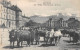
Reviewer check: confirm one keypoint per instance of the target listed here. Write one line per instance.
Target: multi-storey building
(7, 16)
(10, 15)
(57, 23)
(18, 16)
(25, 19)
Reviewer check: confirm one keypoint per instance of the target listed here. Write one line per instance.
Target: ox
(20, 36)
(73, 34)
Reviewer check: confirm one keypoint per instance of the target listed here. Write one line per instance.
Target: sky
(48, 7)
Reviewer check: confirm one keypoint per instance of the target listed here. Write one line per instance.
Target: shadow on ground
(67, 41)
(71, 44)
(46, 45)
(10, 47)
(76, 44)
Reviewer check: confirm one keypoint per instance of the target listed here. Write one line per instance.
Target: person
(37, 37)
(57, 35)
(51, 36)
(51, 33)
(47, 35)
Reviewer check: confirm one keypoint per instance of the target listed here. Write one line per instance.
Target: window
(4, 9)
(20, 13)
(12, 12)
(1, 7)
(9, 23)
(1, 22)
(1, 15)
(9, 17)
(13, 18)
(4, 16)
(8, 10)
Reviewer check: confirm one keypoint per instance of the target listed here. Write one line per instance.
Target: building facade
(18, 16)
(58, 23)
(10, 17)
(25, 19)
(7, 15)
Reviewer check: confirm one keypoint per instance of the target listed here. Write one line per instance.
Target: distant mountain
(42, 19)
(78, 18)
(56, 17)
(38, 19)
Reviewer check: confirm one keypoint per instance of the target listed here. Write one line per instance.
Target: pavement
(62, 45)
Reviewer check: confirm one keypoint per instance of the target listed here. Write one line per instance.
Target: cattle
(20, 36)
(26, 35)
(73, 34)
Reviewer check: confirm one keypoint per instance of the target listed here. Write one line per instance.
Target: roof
(25, 17)
(15, 8)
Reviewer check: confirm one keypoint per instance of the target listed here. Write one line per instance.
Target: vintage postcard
(39, 24)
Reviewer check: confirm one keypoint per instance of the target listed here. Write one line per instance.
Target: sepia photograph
(39, 24)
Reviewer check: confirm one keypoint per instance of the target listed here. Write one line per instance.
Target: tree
(30, 23)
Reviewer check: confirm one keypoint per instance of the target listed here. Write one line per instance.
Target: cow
(73, 34)
(20, 36)
(26, 35)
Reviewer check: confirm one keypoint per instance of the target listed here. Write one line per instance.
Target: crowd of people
(50, 35)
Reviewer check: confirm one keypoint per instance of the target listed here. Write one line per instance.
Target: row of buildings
(10, 15)
(71, 23)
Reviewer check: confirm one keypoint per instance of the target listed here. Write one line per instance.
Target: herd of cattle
(31, 35)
